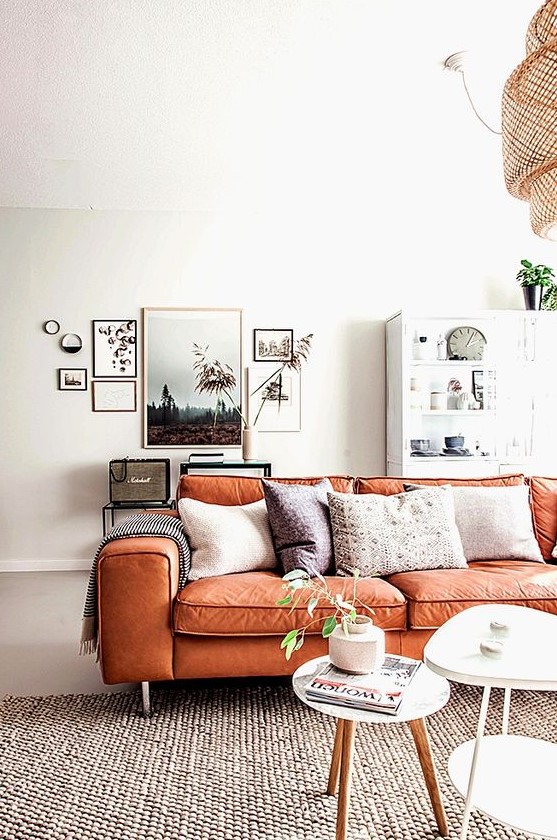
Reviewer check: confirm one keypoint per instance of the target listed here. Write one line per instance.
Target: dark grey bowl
(454, 441)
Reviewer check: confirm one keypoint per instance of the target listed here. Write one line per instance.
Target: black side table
(112, 507)
(219, 466)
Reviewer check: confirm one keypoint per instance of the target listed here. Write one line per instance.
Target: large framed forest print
(178, 412)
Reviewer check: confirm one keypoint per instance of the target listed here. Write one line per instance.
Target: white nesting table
(507, 777)
(426, 693)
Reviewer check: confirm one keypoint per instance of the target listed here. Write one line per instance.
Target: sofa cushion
(494, 523)
(245, 604)
(300, 525)
(242, 489)
(378, 534)
(435, 596)
(386, 485)
(227, 538)
(544, 511)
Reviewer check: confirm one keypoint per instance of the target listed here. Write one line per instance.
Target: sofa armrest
(137, 582)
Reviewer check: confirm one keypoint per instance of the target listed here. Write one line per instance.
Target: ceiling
(190, 105)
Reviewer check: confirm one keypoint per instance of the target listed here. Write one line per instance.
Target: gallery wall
(309, 162)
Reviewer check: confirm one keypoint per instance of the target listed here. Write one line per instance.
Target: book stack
(381, 691)
(208, 457)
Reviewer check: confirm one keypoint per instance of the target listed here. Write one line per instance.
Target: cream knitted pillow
(227, 538)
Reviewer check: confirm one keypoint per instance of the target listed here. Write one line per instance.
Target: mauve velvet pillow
(300, 525)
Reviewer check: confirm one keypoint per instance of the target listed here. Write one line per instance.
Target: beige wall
(309, 162)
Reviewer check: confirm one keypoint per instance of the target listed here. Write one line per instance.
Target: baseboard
(45, 565)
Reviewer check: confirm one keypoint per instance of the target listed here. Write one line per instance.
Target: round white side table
(426, 694)
(504, 776)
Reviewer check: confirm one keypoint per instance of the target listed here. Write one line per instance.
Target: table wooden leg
(423, 747)
(346, 760)
(334, 772)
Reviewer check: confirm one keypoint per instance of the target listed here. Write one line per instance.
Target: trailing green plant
(535, 275)
(299, 586)
(549, 299)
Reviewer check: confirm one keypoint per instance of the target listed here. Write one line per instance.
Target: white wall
(309, 161)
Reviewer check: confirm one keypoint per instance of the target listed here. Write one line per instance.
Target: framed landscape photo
(273, 345)
(72, 379)
(177, 412)
(115, 348)
(274, 400)
(110, 395)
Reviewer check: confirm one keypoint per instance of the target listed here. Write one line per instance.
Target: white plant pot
(249, 443)
(360, 650)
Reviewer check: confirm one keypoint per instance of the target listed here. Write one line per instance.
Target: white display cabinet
(498, 399)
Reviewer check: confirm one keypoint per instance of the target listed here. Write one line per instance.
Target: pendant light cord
(474, 108)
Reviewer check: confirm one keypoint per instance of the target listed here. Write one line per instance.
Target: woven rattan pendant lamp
(529, 124)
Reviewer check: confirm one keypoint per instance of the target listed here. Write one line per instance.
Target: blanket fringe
(88, 648)
(88, 644)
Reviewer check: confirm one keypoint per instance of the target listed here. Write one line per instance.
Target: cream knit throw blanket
(138, 525)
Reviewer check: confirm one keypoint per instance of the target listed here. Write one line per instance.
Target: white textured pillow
(227, 538)
(495, 523)
(400, 533)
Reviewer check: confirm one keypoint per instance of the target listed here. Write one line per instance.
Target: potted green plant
(534, 279)
(356, 644)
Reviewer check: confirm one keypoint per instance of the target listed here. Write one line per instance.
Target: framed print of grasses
(274, 401)
(177, 412)
(115, 348)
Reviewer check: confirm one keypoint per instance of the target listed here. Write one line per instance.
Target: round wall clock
(51, 327)
(466, 342)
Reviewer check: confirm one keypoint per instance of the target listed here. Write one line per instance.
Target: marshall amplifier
(139, 480)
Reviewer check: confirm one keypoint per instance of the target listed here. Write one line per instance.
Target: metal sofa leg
(145, 700)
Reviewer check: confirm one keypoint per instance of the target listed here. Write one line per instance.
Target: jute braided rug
(238, 761)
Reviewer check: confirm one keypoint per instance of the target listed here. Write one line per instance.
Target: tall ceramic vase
(249, 443)
(357, 647)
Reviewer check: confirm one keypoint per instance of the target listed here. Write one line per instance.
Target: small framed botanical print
(72, 379)
(109, 395)
(274, 399)
(273, 345)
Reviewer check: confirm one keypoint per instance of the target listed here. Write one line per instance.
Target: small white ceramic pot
(358, 649)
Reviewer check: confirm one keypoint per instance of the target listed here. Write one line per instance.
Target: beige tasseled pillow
(382, 535)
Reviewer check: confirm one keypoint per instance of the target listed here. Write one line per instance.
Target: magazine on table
(381, 691)
(213, 457)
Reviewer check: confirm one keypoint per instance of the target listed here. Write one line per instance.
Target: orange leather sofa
(230, 625)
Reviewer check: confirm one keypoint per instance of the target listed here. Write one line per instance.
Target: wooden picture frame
(176, 413)
(274, 406)
(115, 348)
(72, 379)
(478, 386)
(114, 395)
(273, 345)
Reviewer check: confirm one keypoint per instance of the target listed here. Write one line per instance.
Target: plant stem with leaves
(298, 584)
(214, 378)
(300, 354)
